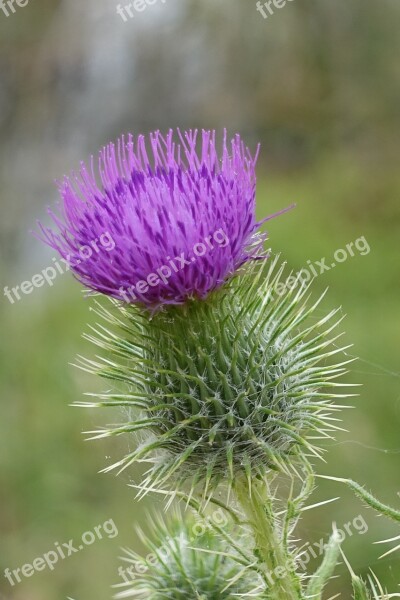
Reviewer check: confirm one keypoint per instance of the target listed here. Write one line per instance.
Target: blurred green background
(318, 83)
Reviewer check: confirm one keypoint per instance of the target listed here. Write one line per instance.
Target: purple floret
(179, 219)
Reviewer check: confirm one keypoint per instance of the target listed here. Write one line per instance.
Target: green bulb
(235, 385)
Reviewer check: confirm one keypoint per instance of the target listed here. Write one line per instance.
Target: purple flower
(181, 218)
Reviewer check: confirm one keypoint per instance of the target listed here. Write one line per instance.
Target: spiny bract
(187, 560)
(234, 384)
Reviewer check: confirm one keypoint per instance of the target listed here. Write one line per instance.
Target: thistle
(224, 386)
(186, 559)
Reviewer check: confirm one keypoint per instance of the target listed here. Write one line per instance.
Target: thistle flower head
(182, 217)
(187, 560)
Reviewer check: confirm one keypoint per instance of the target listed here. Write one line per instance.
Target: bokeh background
(318, 84)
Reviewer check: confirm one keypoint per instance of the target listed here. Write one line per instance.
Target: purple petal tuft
(163, 226)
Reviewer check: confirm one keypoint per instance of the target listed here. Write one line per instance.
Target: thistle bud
(187, 560)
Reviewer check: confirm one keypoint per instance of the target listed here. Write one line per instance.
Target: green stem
(276, 563)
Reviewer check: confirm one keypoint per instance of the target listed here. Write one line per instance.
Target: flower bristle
(240, 382)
